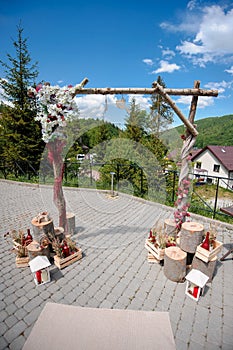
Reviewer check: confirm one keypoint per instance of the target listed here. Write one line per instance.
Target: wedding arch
(57, 105)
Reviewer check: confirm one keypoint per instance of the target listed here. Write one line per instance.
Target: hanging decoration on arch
(55, 107)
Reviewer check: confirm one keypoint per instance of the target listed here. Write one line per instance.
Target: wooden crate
(206, 255)
(63, 262)
(152, 259)
(22, 262)
(157, 252)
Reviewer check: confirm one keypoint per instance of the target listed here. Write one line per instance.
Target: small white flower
(48, 98)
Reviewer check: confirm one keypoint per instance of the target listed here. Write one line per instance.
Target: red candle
(195, 291)
(38, 276)
(206, 243)
(65, 249)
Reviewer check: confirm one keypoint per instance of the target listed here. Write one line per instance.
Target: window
(216, 168)
(198, 165)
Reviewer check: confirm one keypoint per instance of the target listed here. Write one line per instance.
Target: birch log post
(41, 229)
(191, 235)
(70, 223)
(55, 156)
(184, 184)
(208, 268)
(34, 249)
(143, 91)
(170, 228)
(175, 264)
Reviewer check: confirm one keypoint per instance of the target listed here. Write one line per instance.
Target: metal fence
(212, 206)
(128, 178)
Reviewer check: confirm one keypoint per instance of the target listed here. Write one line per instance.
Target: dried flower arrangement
(20, 242)
(159, 238)
(62, 248)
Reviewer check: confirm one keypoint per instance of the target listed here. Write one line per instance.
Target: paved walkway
(114, 272)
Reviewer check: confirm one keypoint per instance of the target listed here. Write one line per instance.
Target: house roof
(224, 154)
(176, 153)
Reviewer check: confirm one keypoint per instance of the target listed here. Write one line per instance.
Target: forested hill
(213, 131)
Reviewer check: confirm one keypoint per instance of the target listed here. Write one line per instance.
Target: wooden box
(152, 259)
(208, 255)
(157, 252)
(22, 262)
(63, 262)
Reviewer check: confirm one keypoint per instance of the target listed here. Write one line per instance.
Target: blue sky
(127, 44)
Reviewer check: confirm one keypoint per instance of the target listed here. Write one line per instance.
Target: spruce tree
(161, 115)
(135, 122)
(21, 144)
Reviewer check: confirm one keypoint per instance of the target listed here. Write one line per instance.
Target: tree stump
(70, 217)
(175, 264)
(59, 233)
(207, 268)
(41, 229)
(170, 228)
(34, 249)
(191, 235)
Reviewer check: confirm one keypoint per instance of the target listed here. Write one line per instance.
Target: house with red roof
(216, 161)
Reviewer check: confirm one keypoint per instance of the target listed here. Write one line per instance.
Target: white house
(216, 161)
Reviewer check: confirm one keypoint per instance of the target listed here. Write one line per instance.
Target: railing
(171, 177)
(129, 178)
(18, 169)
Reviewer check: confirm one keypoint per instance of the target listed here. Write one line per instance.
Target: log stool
(207, 268)
(191, 235)
(41, 229)
(34, 250)
(170, 228)
(59, 233)
(175, 264)
(70, 217)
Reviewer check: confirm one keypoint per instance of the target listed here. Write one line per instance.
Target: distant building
(215, 161)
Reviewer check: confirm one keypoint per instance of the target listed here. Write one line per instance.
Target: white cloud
(166, 67)
(230, 71)
(190, 25)
(191, 4)
(94, 106)
(148, 61)
(168, 53)
(213, 38)
(143, 101)
(220, 86)
(3, 97)
(203, 102)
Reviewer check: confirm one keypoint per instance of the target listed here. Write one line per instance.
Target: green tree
(20, 133)
(136, 121)
(161, 115)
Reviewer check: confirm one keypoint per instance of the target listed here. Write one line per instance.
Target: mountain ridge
(212, 131)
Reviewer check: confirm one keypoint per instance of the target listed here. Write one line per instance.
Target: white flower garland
(56, 105)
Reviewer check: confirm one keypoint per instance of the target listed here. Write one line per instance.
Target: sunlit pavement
(113, 273)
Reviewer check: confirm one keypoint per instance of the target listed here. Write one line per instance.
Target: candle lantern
(40, 269)
(196, 281)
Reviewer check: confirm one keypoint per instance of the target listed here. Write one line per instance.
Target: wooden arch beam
(80, 90)
(156, 89)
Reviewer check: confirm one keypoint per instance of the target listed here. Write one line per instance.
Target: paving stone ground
(113, 273)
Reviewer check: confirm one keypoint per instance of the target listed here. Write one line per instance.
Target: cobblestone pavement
(113, 273)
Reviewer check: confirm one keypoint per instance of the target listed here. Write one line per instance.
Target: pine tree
(21, 145)
(161, 115)
(135, 122)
